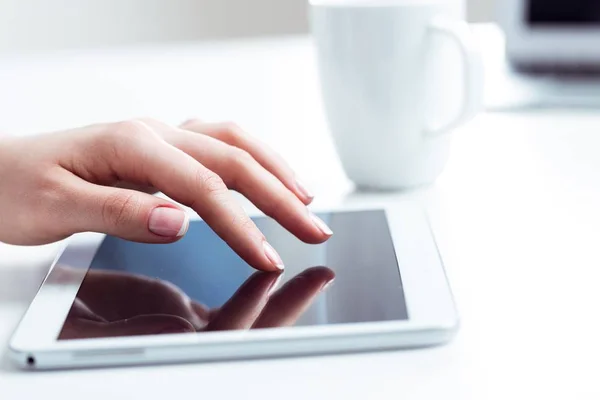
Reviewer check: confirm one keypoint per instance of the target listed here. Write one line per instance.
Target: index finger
(140, 155)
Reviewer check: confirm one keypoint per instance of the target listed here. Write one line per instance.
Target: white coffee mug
(397, 77)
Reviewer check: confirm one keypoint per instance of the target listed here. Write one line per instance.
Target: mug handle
(460, 34)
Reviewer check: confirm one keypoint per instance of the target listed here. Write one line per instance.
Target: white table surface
(516, 213)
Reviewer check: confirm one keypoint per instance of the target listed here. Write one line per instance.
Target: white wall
(39, 24)
(27, 25)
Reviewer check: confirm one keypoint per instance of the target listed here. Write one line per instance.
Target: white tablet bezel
(428, 299)
(526, 43)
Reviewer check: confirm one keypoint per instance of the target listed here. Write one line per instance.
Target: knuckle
(210, 182)
(121, 209)
(232, 133)
(240, 163)
(120, 138)
(191, 123)
(117, 135)
(231, 126)
(240, 159)
(128, 127)
(135, 130)
(147, 120)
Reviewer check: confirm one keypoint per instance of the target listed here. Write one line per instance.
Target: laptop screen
(563, 12)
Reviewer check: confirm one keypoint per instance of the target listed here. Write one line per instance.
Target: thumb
(128, 214)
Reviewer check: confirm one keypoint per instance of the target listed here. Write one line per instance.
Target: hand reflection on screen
(111, 304)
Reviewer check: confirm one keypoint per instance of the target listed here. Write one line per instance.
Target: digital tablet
(377, 284)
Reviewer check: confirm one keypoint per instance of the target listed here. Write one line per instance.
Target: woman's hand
(97, 178)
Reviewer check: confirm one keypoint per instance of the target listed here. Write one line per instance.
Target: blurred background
(40, 25)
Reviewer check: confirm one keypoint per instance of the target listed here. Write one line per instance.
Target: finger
(78, 328)
(289, 303)
(142, 156)
(246, 304)
(269, 159)
(128, 214)
(244, 174)
(241, 172)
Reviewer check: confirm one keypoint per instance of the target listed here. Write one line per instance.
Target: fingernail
(321, 225)
(325, 286)
(168, 222)
(273, 256)
(304, 190)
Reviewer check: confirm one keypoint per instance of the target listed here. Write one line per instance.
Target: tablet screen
(564, 12)
(199, 284)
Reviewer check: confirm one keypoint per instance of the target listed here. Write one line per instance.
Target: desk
(516, 214)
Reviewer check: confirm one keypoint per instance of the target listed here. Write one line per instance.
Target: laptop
(552, 55)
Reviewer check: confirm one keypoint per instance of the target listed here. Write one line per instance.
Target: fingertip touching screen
(199, 284)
